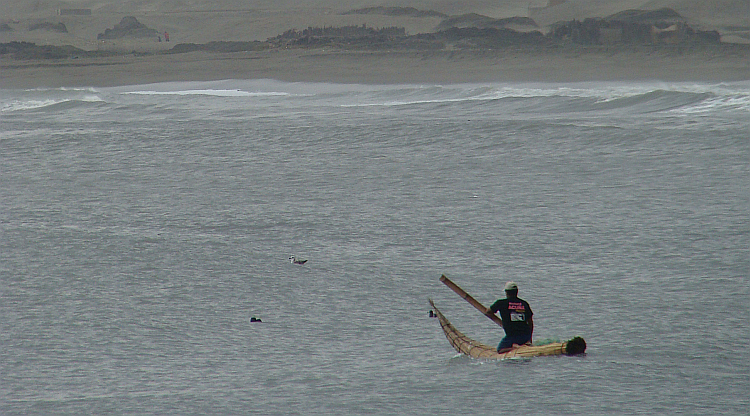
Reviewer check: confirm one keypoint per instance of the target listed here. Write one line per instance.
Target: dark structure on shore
(663, 26)
(51, 27)
(338, 35)
(129, 27)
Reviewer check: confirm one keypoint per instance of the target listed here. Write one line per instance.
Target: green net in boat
(546, 341)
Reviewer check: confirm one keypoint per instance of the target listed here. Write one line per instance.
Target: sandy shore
(200, 21)
(395, 67)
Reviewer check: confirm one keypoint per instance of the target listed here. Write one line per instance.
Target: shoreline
(382, 67)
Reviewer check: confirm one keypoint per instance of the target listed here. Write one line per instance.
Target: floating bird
(295, 260)
(254, 319)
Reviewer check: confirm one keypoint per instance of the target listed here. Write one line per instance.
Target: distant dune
(228, 39)
(202, 21)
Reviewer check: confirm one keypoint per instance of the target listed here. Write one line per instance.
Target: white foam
(736, 103)
(19, 105)
(211, 92)
(85, 89)
(33, 104)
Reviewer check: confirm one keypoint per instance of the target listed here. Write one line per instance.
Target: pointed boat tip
(432, 313)
(575, 346)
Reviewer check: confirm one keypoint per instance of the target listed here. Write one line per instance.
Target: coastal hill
(371, 41)
(657, 29)
(204, 21)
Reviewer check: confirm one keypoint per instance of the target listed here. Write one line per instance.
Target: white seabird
(295, 260)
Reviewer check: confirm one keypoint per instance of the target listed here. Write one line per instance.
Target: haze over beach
(165, 163)
(132, 58)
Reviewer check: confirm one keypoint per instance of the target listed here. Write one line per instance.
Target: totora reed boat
(468, 346)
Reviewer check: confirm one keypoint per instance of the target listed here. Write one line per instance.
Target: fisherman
(516, 316)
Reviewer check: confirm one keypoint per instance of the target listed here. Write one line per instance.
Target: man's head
(511, 289)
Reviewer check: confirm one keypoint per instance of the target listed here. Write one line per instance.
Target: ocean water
(142, 227)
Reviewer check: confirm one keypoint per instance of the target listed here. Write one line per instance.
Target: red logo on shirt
(518, 306)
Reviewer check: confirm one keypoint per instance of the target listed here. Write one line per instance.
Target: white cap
(511, 286)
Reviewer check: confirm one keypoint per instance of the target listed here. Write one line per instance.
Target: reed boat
(474, 349)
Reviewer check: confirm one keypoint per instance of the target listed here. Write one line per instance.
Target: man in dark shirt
(516, 316)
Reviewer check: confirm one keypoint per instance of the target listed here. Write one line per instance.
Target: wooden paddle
(471, 300)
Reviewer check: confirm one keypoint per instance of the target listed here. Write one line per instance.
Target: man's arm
(531, 326)
(489, 312)
(492, 310)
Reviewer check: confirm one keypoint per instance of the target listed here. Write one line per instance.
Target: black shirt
(515, 313)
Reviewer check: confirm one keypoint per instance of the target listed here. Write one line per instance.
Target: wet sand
(393, 67)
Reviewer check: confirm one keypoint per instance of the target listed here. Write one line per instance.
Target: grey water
(142, 227)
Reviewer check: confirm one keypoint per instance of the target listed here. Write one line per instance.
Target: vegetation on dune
(656, 29)
(664, 26)
(484, 22)
(220, 46)
(646, 16)
(346, 36)
(129, 27)
(52, 27)
(28, 50)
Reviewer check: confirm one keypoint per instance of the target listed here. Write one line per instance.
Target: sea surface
(142, 227)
